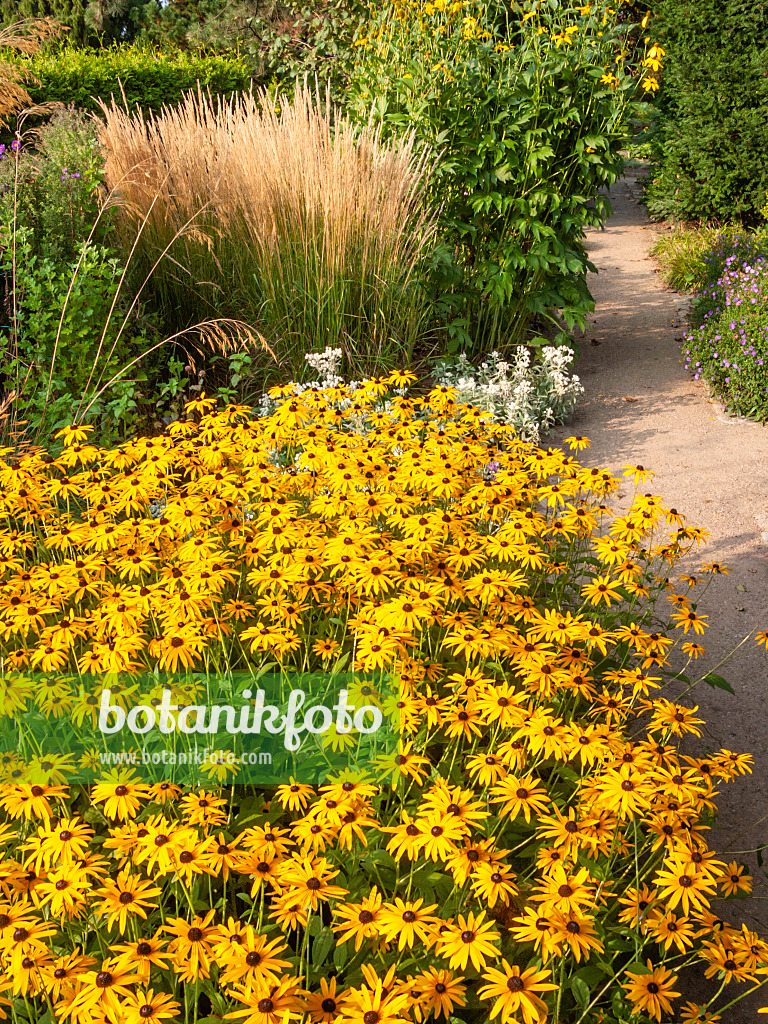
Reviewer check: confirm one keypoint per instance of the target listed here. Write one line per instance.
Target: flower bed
(533, 849)
(728, 344)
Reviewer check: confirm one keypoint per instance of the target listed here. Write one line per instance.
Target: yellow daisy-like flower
(470, 938)
(653, 992)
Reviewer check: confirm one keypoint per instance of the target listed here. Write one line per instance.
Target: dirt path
(640, 407)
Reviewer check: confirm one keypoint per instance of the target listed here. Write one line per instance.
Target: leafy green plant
(708, 153)
(528, 116)
(56, 349)
(54, 186)
(68, 14)
(283, 40)
(727, 345)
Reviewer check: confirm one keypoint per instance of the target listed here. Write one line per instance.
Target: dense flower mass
(728, 343)
(534, 849)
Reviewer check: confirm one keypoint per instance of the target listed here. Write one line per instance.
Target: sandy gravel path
(640, 407)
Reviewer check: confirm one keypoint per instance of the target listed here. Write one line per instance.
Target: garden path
(641, 407)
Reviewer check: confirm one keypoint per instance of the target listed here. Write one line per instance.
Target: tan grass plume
(316, 222)
(25, 37)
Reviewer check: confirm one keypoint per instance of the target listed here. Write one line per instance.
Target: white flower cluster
(326, 366)
(531, 396)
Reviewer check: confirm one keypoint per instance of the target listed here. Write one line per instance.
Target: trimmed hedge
(709, 152)
(149, 77)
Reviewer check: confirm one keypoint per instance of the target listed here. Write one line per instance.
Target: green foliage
(146, 76)
(710, 149)
(70, 13)
(54, 189)
(284, 40)
(528, 129)
(684, 257)
(728, 343)
(116, 20)
(53, 356)
(89, 22)
(61, 339)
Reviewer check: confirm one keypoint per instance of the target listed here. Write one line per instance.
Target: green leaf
(636, 967)
(580, 991)
(717, 682)
(321, 946)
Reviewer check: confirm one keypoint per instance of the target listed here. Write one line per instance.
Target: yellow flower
(651, 993)
(470, 938)
(517, 992)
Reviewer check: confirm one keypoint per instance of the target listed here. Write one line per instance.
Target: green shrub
(528, 116)
(68, 13)
(56, 351)
(54, 188)
(727, 345)
(61, 278)
(284, 40)
(710, 149)
(148, 78)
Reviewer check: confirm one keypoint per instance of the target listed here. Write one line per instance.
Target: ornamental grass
(25, 36)
(534, 849)
(281, 212)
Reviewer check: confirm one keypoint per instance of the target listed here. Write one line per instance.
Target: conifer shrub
(713, 133)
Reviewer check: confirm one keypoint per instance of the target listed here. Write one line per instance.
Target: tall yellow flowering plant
(527, 106)
(533, 848)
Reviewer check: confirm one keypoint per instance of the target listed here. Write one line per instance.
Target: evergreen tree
(713, 133)
(117, 20)
(90, 22)
(70, 13)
